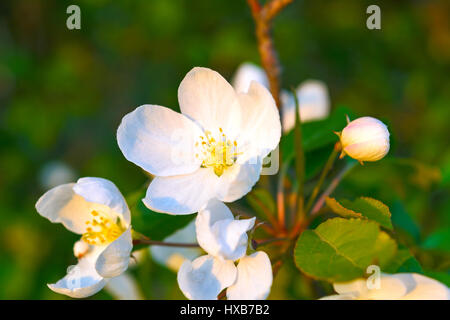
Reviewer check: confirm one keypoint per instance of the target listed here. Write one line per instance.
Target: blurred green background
(63, 93)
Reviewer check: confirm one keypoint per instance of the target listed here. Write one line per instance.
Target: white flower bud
(80, 248)
(365, 139)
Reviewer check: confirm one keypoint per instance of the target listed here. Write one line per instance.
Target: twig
(165, 244)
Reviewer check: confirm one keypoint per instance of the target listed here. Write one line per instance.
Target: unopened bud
(365, 139)
(80, 248)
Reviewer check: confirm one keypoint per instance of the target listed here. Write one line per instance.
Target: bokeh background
(63, 93)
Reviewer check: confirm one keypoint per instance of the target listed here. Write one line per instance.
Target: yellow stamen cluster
(101, 229)
(218, 155)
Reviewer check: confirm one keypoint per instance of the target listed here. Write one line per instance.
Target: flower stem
(326, 169)
(334, 183)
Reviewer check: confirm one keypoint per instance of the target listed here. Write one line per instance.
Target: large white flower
(400, 286)
(95, 209)
(212, 150)
(225, 241)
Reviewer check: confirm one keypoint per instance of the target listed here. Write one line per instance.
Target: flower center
(101, 229)
(217, 154)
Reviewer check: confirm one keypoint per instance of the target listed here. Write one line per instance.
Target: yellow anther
(218, 155)
(103, 231)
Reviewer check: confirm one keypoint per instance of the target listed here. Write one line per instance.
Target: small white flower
(173, 257)
(95, 209)
(212, 150)
(365, 139)
(400, 286)
(225, 240)
(313, 102)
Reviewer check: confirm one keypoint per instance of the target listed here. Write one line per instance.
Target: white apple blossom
(400, 286)
(212, 150)
(95, 209)
(365, 139)
(225, 241)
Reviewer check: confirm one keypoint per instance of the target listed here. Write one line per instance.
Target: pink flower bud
(365, 139)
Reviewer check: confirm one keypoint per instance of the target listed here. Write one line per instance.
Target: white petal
(389, 288)
(102, 191)
(82, 280)
(205, 277)
(423, 288)
(159, 140)
(364, 129)
(313, 100)
(238, 180)
(261, 130)
(254, 278)
(219, 234)
(173, 257)
(124, 287)
(62, 205)
(245, 74)
(116, 256)
(205, 96)
(184, 194)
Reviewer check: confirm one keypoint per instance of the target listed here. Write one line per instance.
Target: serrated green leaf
(337, 250)
(369, 208)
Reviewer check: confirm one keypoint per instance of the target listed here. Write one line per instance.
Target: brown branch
(263, 17)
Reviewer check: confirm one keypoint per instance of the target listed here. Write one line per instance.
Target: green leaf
(338, 249)
(154, 225)
(363, 207)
